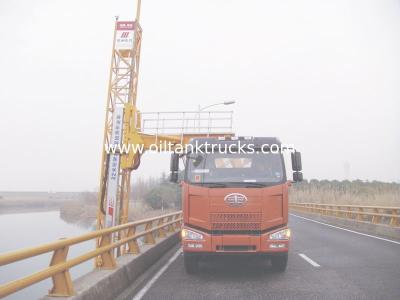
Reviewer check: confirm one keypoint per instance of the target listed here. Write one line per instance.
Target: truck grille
(242, 248)
(235, 221)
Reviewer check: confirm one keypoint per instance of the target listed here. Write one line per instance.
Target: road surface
(324, 263)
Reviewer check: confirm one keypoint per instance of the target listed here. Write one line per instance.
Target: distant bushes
(153, 196)
(158, 193)
(164, 196)
(355, 192)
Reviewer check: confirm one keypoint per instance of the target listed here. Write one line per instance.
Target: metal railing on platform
(373, 214)
(186, 122)
(59, 266)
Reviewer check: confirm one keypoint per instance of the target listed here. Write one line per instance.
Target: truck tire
(279, 262)
(191, 264)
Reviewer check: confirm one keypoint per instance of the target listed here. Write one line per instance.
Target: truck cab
(235, 199)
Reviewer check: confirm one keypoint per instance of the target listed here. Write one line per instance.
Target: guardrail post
(342, 212)
(349, 213)
(149, 238)
(375, 218)
(170, 226)
(394, 221)
(161, 232)
(360, 216)
(107, 258)
(177, 223)
(133, 247)
(62, 282)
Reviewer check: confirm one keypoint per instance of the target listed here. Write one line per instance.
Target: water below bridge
(30, 229)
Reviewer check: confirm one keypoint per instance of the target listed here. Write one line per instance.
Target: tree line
(159, 193)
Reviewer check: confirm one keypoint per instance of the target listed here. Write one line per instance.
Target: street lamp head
(220, 103)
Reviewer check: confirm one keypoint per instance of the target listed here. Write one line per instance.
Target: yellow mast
(123, 125)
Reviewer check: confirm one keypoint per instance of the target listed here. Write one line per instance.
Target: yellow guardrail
(373, 214)
(60, 265)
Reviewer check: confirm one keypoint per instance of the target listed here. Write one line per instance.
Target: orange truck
(235, 199)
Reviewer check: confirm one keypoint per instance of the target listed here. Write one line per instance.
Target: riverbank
(84, 212)
(20, 202)
(79, 208)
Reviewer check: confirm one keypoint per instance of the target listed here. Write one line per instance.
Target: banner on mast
(125, 35)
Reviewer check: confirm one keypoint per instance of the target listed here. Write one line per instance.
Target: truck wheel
(191, 264)
(279, 262)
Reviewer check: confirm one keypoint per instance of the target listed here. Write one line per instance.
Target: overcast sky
(323, 75)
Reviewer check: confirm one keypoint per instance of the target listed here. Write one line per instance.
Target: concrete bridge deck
(325, 262)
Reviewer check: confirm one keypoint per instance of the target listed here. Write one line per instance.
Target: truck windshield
(239, 168)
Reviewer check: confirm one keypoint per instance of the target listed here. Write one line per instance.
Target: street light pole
(221, 103)
(200, 109)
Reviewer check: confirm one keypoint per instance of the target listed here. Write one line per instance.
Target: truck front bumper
(235, 243)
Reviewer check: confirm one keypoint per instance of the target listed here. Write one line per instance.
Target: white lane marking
(148, 285)
(309, 260)
(352, 231)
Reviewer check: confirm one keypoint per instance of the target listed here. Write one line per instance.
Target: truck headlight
(283, 234)
(191, 235)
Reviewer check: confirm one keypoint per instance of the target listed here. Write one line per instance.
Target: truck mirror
(297, 176)
(173, 177)
(296, 161)
(174, 167)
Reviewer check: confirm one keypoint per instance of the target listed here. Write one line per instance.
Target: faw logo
(235, 199)
(125, 34)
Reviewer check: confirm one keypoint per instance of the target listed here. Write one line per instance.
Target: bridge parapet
(152, 230)
(376, 220)
(372, 214)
